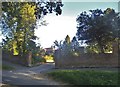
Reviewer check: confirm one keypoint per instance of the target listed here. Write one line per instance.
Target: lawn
(77, 77)
(6, 67)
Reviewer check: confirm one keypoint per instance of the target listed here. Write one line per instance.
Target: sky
(61, 26)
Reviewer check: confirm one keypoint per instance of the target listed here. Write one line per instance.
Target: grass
(76, 77)
(8, 85)
(6, 67)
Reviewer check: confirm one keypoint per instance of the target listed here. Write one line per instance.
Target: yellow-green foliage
(27, 13)
(48, 57)
(15, 51)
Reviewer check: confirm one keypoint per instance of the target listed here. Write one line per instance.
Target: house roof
(49, 49)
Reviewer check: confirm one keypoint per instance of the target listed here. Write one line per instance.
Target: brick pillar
(115, 47)
(29, 59)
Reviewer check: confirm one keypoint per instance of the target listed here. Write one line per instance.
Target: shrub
(38, 60)
(48, 57)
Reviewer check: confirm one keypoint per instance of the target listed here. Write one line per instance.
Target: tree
(19, 21)
(75, 43)
(19, 24)
(27, 24)
(8, 24)
(58, 44)
(98, 28)
(43, 7)
(67, 39)
(67, 48)
(67, 45)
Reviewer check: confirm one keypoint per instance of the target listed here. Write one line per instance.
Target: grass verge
(6, 67)
(91, 77)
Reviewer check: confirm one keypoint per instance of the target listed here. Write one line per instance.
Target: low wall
(14, 58)
(87, 60)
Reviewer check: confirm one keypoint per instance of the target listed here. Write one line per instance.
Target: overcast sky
(61, 26)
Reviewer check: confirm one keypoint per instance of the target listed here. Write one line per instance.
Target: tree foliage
(68, 47)
(75, 43)
(67, 39)
(98, 28)
(43, 7)
(19, 22)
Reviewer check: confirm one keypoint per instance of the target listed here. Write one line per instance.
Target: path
(28, 76)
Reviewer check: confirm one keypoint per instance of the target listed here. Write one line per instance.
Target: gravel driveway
(27, 76)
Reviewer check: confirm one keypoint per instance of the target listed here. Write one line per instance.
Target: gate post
(29, 59)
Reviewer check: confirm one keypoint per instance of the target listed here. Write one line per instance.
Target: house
(49, 51)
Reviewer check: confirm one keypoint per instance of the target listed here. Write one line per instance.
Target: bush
(38, 60)
(50, 57)
(42, 60)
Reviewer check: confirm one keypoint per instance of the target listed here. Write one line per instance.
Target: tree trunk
(24, 43)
